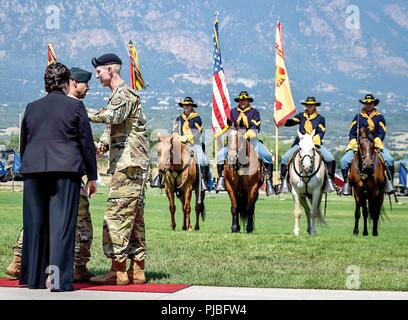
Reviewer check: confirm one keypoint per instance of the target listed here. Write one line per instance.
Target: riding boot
(331, 169)
(346, 191)
(220, 182)
(268, 182)
(283, 187)
(157, 181)
(204, 178)
(389, 177)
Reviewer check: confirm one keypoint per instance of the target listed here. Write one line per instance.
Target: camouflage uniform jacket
(129, 145)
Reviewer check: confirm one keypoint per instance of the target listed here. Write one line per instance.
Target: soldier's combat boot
(389, 177)
(82, 274)
(136, 272)
(157, 181)
(13, 270)
(220, 182)
(346, 191)
(116, 276)
(204, 178)
(331, 169)
(268, 182)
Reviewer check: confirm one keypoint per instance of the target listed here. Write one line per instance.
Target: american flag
(220, 97)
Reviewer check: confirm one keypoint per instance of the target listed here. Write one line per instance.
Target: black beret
(109, 58)
(80, 75)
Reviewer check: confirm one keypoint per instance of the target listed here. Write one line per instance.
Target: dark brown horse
(367, 178)
(177, 164)
(243, 177)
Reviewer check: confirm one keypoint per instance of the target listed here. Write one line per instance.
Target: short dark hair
(56, 75)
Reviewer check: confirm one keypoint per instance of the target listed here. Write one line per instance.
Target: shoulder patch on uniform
(116, 101)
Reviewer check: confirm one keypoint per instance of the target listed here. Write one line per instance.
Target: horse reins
(176, 173)
(307, 177)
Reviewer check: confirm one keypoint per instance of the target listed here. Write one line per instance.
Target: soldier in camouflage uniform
(84, 230)
(123, 228)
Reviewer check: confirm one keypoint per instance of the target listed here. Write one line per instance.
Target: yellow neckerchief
(369, 118)
(186, 125)
(242, 116)
(308, 123)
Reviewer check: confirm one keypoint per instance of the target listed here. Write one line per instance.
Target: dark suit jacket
(56, 137)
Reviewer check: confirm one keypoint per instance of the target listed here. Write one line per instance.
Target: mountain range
(336, 50)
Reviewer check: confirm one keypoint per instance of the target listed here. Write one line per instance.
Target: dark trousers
(50, 208)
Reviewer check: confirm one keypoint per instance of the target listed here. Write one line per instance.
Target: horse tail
(321, 218)
(200, 209)
(199, 205)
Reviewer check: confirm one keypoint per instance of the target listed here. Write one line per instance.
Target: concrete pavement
(205, 293)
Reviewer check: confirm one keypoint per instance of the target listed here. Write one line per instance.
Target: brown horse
(243, 177)
(367, 178)
(177, 163)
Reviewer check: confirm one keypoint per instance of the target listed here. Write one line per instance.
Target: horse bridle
(238, 152)
(363, 156)
(312, 160)
(176, 173)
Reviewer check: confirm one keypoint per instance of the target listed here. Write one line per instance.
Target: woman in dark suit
(56, 150)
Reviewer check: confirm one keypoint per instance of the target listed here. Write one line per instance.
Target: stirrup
(156, 182)
(284, 188)
(346, 191)
(329, 186)
(204, 186)
(220, 184)
(269, 188)
(389, 188)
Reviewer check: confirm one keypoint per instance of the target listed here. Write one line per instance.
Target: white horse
(306, 178)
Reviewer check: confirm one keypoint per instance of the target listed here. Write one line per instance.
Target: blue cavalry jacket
(307, 123)
(375, 125)
(190, 127)
(247, 119)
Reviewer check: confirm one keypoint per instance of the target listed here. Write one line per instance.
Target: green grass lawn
(270, 257)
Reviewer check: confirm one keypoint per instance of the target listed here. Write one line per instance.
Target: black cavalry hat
(369, 98)
(106, 59)
(80, 75)
(187, 102)
(242, 96)
(311, 101)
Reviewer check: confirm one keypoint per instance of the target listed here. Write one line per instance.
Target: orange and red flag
(284, 105)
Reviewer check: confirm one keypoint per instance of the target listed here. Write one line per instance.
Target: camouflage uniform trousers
(124, 228)
(83, 235)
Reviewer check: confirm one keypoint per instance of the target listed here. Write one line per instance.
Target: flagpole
(215, 162)
(215, 169)
(276, 179)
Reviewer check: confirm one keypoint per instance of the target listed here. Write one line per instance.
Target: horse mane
(366, 135)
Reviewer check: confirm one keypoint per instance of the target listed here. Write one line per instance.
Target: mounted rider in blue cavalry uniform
(189, 126)
(246, 117)
(308, 121)
(374, 122)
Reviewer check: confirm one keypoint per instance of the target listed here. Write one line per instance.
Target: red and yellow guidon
(280, 76)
